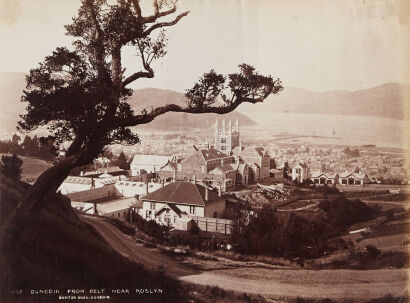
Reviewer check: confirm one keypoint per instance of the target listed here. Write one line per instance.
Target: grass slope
(58, 251)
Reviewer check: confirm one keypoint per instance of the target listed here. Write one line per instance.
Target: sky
(313, 44)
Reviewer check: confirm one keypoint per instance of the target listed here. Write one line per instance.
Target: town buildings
(225, 164)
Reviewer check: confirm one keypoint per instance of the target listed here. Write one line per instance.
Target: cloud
(10, 11)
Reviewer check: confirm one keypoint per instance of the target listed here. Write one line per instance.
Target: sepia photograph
(205, 151)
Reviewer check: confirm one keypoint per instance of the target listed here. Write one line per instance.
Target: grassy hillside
(58, 251)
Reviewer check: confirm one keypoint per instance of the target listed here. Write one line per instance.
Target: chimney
(146, 188)
(194, 178)
(175, 175)
(95, 209)
(162, 183)
(220, 191)
(81, 173)
(206, 193)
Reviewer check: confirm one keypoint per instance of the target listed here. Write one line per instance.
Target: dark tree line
(351, 152)
(30, 146)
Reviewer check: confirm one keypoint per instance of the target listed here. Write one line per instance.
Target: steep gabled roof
(195, 158)
(223, 168)
(182, 193)
(212, 154)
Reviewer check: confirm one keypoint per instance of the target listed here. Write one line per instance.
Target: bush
(150, 228)
(343, 212)
(372, 252)
(184, 239)
(10, 166)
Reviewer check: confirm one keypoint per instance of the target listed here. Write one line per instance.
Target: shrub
(10, 166)
(372, 252)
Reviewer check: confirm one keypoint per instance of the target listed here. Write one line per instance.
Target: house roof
(171, 165)
(182, 193)
(204, 155)
(359, 176)
(236, 150)
(116, 205)
(195, 158)
(78, 180)
(252, 151)
(212, 154)
(318, 174)
(223, 168)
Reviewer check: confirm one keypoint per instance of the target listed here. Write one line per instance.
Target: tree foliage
(11, 166)
(80, 95)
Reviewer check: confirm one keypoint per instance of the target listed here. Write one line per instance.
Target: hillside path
(271, 283)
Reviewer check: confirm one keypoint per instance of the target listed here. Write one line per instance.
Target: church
(225, 164)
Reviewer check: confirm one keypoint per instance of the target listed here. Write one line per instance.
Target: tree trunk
(46, 184)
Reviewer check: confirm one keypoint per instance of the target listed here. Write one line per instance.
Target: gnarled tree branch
(164, 24)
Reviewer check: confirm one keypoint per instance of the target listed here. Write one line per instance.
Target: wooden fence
(223, 226)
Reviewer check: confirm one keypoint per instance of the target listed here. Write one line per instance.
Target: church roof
(212, 154)
(252, 151)
(204, 155)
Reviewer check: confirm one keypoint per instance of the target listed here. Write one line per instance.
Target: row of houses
(301, 173)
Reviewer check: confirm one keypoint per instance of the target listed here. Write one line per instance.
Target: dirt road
(271, 283)
(137, 252)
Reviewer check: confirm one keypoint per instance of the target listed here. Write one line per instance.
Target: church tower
(226, 139)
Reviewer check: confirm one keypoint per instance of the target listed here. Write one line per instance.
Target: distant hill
(148, 98)
(386, 100)
(13, 84)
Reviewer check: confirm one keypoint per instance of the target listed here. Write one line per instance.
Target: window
(167, 219)
(148, 214)
(152, 205)
(223, 147)
(192, 209)
(223, 140)
(215, 214)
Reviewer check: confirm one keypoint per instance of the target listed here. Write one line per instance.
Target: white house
(300, 172)
(181, 199)
(347, 178)
(148, 163)
(321, 178)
